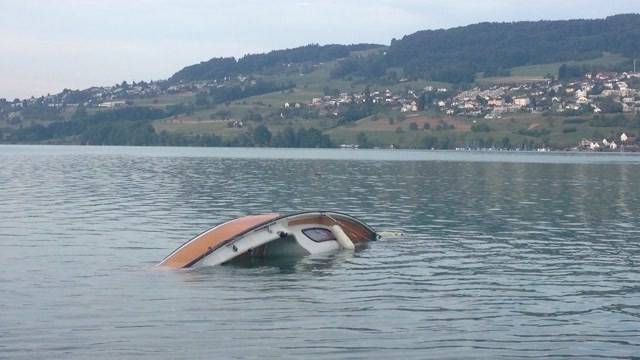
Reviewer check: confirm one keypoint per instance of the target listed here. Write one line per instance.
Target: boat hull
(257, 235)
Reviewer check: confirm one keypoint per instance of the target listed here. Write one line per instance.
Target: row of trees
(290, 138)
(133, 126)
(118, 127)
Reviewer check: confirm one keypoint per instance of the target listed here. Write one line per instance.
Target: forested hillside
(219, 68)
(457, 55)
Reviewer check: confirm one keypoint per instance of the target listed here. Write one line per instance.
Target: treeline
(219, 68)
(127, 126)
(117, 127)
(457, 55)
(290, 138)
(133, 126)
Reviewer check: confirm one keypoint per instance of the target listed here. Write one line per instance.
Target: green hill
(272, 62)
(457, 55)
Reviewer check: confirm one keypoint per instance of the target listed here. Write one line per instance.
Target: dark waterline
(511, 255)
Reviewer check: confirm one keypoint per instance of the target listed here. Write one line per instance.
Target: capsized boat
(271, 235)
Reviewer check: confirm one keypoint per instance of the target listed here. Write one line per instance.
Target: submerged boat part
(271, 235)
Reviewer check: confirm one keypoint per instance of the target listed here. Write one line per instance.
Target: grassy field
(536, 73)
(503, 80)
(555, 131)
(542, 70)
(164, 100)
(187, 126)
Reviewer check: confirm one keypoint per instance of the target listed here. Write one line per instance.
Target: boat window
(319, 234)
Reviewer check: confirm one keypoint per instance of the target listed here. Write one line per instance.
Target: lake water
(503, 255)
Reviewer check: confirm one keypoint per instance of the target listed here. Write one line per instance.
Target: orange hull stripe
(212, 239)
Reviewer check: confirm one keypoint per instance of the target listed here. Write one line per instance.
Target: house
(495, 102)
(522, 102)
(111, 104)
(582, 100)
(624, 138)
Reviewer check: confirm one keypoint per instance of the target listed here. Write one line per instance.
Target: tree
(413, 126)
(610, 106)
(287, 138)
(362, 139)
(261, 135)
(506, 143)
(567, 72)
(429, 142)
(597, 89)
(422, 102)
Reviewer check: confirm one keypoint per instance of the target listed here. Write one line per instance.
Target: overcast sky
(48, 45)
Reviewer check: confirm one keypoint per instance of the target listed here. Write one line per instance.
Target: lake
(488, 255)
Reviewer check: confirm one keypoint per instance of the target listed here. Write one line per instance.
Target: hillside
(272, 62)
(459, 54)
(513, 85)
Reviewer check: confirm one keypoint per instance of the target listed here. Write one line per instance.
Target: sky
(49, 45)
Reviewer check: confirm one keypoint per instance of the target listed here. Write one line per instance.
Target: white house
(522, 101)
(624, 137)
(111, 104)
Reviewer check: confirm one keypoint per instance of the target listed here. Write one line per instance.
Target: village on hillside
(594, 93)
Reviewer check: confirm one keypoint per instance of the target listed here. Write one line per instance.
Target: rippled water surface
(503, 255)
